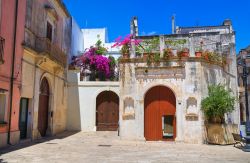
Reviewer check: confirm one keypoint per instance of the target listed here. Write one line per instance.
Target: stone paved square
(107, 147)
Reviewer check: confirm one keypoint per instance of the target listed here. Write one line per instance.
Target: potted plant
(183, 53)
(167, 53)
(157, 58)
(218, 102)
(149, 46)
(198, 51)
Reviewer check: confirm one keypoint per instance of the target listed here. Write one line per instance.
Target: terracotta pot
(145, 56)
(215, 120)
(198, 54)
(185, 54)
(125, 56)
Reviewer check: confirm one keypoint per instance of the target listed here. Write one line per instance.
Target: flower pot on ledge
(198, 54)
(125, 55)
(185, 54)
(145, 56)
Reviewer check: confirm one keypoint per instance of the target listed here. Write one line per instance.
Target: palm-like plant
(218, 102)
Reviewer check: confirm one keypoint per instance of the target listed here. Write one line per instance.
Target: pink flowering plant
(93, 59)
(126, 43)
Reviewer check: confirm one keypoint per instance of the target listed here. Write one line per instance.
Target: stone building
(44, 85)
(244, 55)
(12, 16)
(162, 101)
(159, 100)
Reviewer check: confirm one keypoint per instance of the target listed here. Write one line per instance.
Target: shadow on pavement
(34, 142)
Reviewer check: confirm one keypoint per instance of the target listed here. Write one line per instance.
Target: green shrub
(218, 102)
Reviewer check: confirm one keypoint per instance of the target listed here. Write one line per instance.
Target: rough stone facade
(241, 58)
(187, 78)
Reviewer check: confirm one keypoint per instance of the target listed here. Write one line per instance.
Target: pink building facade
(12, 19)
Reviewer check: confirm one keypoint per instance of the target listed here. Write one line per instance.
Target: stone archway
(159, 114)
(107, 111)
(43, 109)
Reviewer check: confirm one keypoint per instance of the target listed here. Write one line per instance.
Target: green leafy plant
(150, 44)
(167, 53)
(175, 42)
(212, 56)
(218, 102)
(157, 58)
(100, 49)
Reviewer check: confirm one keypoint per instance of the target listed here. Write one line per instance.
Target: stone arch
(160, 113)
(169, 85)
(107, 111)
(128, 108)
(191, 105)
(49, 79)
(43, 107)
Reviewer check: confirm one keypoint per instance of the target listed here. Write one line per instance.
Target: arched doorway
(107, 111)
(159, 114)
(43, 107)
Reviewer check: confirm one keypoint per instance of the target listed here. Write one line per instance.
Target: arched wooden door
(43, 107)
(159, 114)
(107, 111)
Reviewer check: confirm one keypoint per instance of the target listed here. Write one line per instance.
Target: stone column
(162, 46)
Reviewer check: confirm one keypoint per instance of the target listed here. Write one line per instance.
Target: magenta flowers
(125, 43)
(94, 61)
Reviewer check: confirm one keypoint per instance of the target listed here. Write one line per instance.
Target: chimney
(173, 24)
(227, 22)
(134, 26)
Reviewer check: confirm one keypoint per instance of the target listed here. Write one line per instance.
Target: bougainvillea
(93, 59)
(126, 43)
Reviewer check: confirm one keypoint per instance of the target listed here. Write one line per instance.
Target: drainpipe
(12, 70)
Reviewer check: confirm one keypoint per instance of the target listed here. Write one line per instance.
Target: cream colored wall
(34, 70)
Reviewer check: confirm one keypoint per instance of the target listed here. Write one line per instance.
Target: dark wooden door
(159, 114)
(43, 107)
(107, 111)
(23, 116)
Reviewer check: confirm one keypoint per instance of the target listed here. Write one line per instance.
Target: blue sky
(154, 16)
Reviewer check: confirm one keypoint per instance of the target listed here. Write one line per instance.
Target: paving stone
(107, 147)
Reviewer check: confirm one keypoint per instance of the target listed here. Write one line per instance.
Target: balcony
(1, 50)
(43, 46)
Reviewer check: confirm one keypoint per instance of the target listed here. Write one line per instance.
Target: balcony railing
(1, 50)
(44, 47)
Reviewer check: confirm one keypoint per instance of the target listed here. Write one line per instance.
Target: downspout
(12, 70)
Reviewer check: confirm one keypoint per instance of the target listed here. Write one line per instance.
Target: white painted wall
(77, 45)
(90, 37)
(82, 101)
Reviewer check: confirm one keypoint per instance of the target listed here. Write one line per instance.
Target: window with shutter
(49, 31)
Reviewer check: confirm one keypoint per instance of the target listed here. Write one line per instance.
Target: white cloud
(149, 33)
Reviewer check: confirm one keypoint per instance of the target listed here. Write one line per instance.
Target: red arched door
(159, 114)
(43, 107)
(107, 111)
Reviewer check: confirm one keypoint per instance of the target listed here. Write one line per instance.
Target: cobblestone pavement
(107, 147)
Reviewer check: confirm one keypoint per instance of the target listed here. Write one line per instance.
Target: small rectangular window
(49, 31)
(168, 126)
(2, 107)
